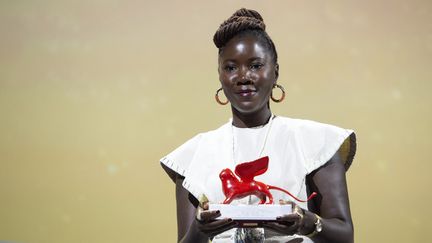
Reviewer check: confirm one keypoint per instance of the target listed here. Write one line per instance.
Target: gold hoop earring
(217, 98)
(283, 93)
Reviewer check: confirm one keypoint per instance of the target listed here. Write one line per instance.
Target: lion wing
(248, 170)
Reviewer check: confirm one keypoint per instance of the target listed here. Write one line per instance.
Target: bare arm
(189, 229)
(332, 204)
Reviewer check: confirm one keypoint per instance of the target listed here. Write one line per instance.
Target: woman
(305, 156)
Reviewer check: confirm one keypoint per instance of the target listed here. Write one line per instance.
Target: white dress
(295, 148)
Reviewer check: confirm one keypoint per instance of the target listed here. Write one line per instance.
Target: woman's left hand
(289, 224)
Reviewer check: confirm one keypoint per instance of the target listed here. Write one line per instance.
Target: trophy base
(251, 215)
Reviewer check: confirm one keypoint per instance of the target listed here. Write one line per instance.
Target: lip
(246, 92)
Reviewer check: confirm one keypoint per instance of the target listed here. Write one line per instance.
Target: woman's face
(247, 74)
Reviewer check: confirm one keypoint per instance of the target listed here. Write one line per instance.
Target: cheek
(267, 77)
(222, 78)
(270, 74)
(227, 78)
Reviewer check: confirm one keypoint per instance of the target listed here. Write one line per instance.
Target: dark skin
(247, 73)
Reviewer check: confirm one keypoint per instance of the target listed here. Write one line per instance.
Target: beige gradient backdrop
(93, 93)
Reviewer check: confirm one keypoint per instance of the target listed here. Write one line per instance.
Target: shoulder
(319, 141)
(179, 160)
(186, 150)
(212, 135)
(299, 123)
(304, 127)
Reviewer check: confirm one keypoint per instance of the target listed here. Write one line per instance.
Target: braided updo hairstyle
(244, 22)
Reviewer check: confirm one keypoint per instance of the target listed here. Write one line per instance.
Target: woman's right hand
(208, 224)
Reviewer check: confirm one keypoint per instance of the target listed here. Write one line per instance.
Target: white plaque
(260, 212)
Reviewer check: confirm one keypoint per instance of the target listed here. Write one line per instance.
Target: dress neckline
(253, 128)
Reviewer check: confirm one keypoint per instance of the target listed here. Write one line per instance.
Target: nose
(244, 76)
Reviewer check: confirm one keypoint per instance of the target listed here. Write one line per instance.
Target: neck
(254, 119)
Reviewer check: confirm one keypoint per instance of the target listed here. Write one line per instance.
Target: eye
(256, 66)
(230, 68)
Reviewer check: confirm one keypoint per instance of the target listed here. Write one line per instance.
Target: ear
(276, 71)
(219, 72)
(219, 64)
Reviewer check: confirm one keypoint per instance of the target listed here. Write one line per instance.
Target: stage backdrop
(94, 93)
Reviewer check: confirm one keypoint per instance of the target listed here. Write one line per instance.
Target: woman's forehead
(244, 47)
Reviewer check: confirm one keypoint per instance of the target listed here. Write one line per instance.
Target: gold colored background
(93, 93)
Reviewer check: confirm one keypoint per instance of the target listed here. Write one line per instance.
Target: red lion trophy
(235, 188)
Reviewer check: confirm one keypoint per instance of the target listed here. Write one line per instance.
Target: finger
(296, 240)
(289, 218)
(208, 215)
(202, 215)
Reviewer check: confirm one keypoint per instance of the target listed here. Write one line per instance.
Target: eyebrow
(256, 58)
(250, 59)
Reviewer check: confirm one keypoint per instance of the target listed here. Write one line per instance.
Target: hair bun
(242, 19)
(248, 13)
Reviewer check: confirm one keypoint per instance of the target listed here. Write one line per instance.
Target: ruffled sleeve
(199, 161)
(180, 159)
(319, 142)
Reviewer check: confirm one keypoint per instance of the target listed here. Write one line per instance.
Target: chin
(247, 108)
